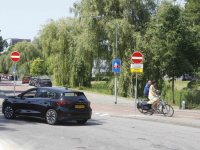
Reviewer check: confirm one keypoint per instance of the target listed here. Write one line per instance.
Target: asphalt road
(107, 130)
(100, 133)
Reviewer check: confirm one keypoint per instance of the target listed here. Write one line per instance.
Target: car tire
(51, 117)
(81, 121)
(9, 112)
(22, 82)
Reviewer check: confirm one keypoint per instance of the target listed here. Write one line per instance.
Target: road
(111, 128)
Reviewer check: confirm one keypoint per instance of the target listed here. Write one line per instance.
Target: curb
(163, 119)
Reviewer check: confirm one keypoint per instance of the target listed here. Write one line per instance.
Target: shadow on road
(23, 120)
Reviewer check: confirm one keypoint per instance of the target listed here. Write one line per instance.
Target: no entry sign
(15, 56)
(137, 57)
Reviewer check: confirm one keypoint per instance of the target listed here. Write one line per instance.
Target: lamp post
(101, 17)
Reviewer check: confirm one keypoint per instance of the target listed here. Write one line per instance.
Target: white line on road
(106, 108)
(96, 113)
(103, 115)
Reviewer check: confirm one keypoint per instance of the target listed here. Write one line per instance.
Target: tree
(37, 67)
(3, 44)
(95, 39)
(174, 42)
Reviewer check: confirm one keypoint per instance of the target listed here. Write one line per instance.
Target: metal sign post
(14, 78)
(116, 67)
(136, 58)
(15, 56)
(135, 93)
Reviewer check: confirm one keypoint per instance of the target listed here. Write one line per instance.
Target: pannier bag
(143, 105)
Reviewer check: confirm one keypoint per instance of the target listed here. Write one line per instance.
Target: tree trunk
(172, 101)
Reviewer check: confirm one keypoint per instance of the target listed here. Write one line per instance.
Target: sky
(24, 18)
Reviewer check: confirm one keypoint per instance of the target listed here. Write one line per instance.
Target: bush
(191, 97)
(194, 84)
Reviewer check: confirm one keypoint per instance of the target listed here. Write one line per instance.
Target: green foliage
(3, 44)
(191, 97)
(194, 84)
(28, 52)
(38, 67)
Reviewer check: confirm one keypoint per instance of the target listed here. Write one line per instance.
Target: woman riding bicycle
(153, 97)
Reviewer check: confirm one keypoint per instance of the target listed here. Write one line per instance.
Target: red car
(26, 79)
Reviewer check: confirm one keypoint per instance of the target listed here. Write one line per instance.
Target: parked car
(4, 76)
(35, 79)
(26, 79)
(31, 80)
(186, 78)
(53, 104)
(11, 77)
(43, 82)
(7, 76)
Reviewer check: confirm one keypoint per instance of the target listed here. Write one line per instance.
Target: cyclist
(146, 89)
(153, 97)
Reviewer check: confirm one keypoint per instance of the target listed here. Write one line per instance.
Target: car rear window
(73, 94)
(45, 80)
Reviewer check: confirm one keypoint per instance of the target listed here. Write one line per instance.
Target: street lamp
(101, 17)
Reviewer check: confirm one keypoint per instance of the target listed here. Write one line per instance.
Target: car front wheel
(51, 117)
(9, 112)
(81, 121)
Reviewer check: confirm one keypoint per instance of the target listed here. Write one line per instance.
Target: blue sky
(23, 18)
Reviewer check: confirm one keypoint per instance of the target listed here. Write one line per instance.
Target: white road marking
(103, 115)
(106, 108)
(96, 113)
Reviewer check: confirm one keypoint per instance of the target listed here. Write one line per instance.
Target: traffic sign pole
(14, 79)
(136, 58)
(15, 56)
(135, 93)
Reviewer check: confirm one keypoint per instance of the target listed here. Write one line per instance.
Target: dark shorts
(146, 96)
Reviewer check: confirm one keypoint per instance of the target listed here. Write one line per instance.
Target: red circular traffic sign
(15, 56)
(137, 57)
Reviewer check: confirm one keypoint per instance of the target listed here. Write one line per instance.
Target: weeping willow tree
(97, 38)
(55, 38)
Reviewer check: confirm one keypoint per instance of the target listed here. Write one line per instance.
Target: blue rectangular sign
(19, 70)
(116, 65)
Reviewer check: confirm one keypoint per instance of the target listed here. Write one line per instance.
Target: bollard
(180, 101)
(183, 104)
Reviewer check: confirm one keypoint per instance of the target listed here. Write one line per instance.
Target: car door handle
(28, 102)
(45, 102)
(14, 101)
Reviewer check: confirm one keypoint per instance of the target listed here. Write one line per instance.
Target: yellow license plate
(80, 106)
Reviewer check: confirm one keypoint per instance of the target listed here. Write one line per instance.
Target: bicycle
(163, 107)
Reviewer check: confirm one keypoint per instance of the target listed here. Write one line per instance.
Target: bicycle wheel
(168, 110)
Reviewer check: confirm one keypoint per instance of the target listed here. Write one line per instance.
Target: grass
(179, 85)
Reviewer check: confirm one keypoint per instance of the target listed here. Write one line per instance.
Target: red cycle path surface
(125, 107)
